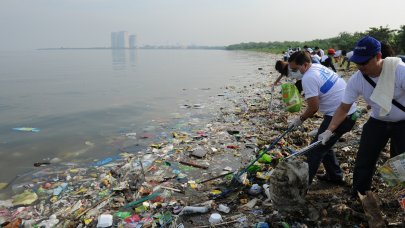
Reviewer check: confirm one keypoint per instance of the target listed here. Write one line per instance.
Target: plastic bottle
(355, 115)
(191, 210)
(223, 208)
(52, 222)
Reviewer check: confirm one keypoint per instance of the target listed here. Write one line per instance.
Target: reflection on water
(119, 58)
(132, 53)
(85, 101)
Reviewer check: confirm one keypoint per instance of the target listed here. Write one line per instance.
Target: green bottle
(355, 115)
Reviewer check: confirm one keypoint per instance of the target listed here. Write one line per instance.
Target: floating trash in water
(105, 161)
(26, 129)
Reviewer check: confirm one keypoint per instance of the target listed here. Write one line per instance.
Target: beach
(156, 186)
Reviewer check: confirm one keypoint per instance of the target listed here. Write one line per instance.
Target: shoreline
(227, 143)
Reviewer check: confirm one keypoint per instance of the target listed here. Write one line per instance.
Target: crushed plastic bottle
(191, 210)
(51, 222)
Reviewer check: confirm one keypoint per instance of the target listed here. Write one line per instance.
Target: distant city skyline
(77, 23)
(122, 39)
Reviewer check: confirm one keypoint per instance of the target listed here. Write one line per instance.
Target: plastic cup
(215, 218)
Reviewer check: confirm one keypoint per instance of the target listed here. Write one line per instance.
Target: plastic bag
(291, 97)
(393, 171)
(288, 184)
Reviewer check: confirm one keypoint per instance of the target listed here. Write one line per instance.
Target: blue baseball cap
(365, 48)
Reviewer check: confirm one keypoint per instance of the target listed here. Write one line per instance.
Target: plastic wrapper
(291, 97)
(393, 171)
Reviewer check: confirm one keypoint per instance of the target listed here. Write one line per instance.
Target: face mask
(296, 75)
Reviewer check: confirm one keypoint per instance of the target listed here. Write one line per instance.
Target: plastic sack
(288, 184)
(393, 171)
(291, 97)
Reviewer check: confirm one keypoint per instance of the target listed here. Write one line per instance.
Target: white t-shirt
(357, 86)
(338, 53)
(322, 52)
(320, 81)
(349, 54)
(316, 57)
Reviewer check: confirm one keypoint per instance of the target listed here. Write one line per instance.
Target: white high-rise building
(123, 40)
(132, 41)
(114, 40)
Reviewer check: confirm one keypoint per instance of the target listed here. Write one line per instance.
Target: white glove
(325, 136)
(295, 122)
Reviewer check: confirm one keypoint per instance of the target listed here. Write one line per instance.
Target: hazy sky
(88, 23)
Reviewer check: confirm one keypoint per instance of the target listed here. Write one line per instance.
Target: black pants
(375, 136)
(324, 153)
(298, 84)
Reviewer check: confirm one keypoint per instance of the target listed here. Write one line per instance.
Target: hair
(305, 46)
(386, 50)
(316, 48)
(282, 67)
(344, 52)
(300, 57)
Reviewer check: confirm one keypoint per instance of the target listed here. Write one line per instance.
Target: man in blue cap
(381, 82)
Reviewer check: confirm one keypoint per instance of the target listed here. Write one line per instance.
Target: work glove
(325, 136)
(295, 122)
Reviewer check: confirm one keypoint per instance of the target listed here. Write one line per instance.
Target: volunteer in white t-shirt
(387, 120)
(319, 52)
(347, 56)
(323, 90)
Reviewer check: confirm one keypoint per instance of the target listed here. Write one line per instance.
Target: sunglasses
(366, 62)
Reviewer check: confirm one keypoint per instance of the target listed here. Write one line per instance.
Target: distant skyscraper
(132, 41)
(114, 40)
(123, 41)
(120, 40)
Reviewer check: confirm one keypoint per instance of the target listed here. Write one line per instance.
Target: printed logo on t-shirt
(329, 77)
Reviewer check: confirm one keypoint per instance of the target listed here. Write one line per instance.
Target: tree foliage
(344, 41)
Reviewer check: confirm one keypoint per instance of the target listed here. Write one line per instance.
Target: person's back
(323, 82)
(328, 61)
(319, 52)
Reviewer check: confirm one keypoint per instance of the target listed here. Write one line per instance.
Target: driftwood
(370, 204)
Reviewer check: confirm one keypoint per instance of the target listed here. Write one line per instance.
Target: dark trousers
(324, 153)
(373, 139)
(298, 84)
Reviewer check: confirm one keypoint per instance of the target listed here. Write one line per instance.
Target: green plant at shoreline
(344, 41)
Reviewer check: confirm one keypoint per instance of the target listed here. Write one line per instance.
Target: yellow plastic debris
(25, 198)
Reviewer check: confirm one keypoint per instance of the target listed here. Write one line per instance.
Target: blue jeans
(324, 153)
(374, 137)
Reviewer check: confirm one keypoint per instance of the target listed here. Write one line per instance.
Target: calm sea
(89, 104)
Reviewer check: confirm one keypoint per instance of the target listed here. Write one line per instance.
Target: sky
(31, 24)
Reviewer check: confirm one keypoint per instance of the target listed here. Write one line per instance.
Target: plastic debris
(105, 220)
(191, 210)
(289, 184)
(255, 189)
(51, 222)
(25, 198)
(26, 129)
(393, 170)
(215, 219)
(3, 185)
(224, 208)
